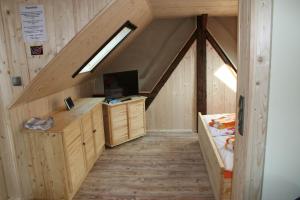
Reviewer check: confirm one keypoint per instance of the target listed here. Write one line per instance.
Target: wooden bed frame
(214, 164)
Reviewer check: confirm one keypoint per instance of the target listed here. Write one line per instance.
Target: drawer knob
(83, 143)
(94, 131)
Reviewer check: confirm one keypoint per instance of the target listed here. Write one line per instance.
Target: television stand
(124, 121)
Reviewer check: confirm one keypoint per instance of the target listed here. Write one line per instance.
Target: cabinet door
(136, 113)
(75, 161)
(98, 129)
(88, 139)
(72, 132)
(119, 126)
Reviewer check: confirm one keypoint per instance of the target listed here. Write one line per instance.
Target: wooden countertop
(133, 99)
(63, 118)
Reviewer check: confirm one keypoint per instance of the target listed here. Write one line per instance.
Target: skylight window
(106, 49)
(227, 76)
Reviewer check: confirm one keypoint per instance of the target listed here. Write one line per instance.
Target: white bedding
(220, 136)
(214, 131)
(226, 155)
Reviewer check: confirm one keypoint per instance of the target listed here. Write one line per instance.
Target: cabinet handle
(83, 143)
(94, 131)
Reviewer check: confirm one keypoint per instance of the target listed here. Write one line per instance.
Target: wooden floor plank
(159, 166)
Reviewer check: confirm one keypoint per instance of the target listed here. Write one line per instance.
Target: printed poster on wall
(33, 23)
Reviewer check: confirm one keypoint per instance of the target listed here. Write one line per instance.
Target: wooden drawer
(136, 122)
(124, 121)
(136, 109)
(119, 124)
(72, 132)
(119, 112)
(136, 126)
(75, 163)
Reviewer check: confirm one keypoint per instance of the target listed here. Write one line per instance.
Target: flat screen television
(121, 84)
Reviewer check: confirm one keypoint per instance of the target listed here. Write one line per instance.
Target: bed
(218, 161)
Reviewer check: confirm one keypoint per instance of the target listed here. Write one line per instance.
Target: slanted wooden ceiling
(186, 8)
(57, 74)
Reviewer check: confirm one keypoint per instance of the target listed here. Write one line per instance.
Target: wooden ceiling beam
(201, 64)
(219, 50)
(188, 8)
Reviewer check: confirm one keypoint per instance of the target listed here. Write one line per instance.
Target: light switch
(16, 80)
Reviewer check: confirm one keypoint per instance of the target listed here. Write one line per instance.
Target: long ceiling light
(106, 49)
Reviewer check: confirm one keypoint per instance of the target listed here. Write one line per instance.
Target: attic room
(149, 99)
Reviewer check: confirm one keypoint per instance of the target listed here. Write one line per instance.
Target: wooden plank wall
(38, 108)
(87, 42)
(179, 8)
(220, 98)
(174, 108)
(64, 18)
(3, 192)
(255, 23)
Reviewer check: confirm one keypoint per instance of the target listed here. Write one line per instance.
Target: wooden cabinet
(136, 119)
(88, 139)
(64, 154)
(124, 121)
(75, 163)
(98, 128)
(118, 116)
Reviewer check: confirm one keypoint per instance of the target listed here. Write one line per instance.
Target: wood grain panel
(156, 166)
(72, 132)
(19, 115)
(220, 98)
(98, 131)
(16, 60)
(177, 96)
(174, 107)
(87, 126)
(48, 165)
(179, 8)
(124, 121)
(90, 153)
(119, 124)
(54, 78)
(255, 22)
(3, 190)
(136, 119)
(76, 163)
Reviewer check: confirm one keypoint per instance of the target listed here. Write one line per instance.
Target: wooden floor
(158, 166)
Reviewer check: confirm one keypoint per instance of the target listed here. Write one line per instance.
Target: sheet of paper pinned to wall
(33, 23)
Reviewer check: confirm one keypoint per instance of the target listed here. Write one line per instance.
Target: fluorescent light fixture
(227, 76)
(106, 49)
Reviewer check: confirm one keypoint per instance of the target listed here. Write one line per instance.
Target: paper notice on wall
(33, 23)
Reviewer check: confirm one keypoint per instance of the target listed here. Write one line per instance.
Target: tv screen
(121, 84)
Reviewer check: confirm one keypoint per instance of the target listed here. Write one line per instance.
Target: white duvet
(220, 136)
(214, 131)
(226, 155)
